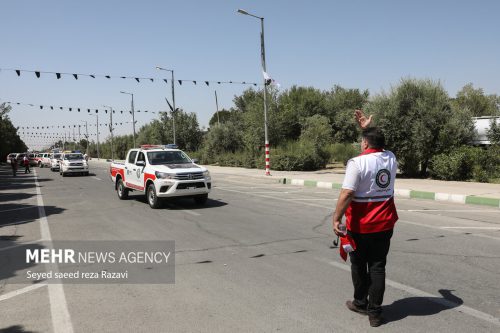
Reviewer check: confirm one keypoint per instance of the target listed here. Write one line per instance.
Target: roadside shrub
(459, 164)
(342, 152)
(300, 155)
(487, 164)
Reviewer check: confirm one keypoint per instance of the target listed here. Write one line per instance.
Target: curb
(406, 193)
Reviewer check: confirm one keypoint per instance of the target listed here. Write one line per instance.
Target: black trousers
(368, 269)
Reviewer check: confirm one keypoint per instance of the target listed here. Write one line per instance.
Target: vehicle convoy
(45, 160)
(160, 173)
(73, 163)
(54, 161)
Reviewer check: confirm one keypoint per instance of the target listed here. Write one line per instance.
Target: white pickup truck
(160, 172)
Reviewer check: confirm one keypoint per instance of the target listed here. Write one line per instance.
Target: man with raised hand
(367, 200)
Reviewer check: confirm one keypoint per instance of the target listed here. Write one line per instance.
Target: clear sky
(356, 44)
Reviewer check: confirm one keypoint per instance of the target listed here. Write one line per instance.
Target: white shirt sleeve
(352, 175)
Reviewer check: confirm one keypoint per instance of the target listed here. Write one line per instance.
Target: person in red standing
(13, 165)
(367, 200)
(26, 163)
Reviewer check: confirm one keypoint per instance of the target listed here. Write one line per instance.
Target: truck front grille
(189, 176)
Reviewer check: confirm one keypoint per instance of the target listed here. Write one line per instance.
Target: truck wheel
(153, 200)
(201, 199)
(121, 190)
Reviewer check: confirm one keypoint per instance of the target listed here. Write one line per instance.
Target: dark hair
(374, 137)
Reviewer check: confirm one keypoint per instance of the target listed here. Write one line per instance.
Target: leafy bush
(342, 152)
(464, 163)
(300, 155)
(487, 164)
(456, 165)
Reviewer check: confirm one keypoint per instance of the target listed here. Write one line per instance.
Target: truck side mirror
(195, 160)
(140, 163)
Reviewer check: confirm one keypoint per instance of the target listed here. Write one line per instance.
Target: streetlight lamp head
(241, 11)
(159, 68)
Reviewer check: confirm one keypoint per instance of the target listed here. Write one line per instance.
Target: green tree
(493, 132)
(341, 103)
(188, 134)
(10, 141)
(222, 138)
(416, 118)
(476, 101)
(316, 129)
(223, 117)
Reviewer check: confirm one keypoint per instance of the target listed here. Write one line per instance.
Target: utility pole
(111, 129)
(217, 108)
(173, 98)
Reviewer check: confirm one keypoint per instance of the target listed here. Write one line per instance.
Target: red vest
(373, 209)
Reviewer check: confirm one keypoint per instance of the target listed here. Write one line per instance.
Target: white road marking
(10, 210)
(275, 198)
(433, 298)
(189, 212)
(61, 319)
(97, 178)
(21, 291)
(488, 228)
(439, 228)
(451, 210)
(311, 199)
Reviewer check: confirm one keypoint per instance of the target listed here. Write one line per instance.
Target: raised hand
(361, 119)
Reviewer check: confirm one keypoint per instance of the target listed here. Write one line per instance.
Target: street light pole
(86, 137)
(263, 60)
(111, 129)
(217, 108)
(133, 114)
(173, 97)
(97, 117)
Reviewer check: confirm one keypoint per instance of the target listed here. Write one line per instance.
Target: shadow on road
(15, 329)
(15, 196)
(421, 306)
(180, 203)
(16, 213)
(13, 263)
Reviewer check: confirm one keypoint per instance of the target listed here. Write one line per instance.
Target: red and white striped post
(268, 167)
(263, 59)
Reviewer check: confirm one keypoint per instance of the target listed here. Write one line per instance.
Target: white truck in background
(160, 172)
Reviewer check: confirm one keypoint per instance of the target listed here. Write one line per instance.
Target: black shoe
(353, 307)
(375, 320)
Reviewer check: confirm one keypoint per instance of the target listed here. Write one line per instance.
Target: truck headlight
(163, 175)
(206, 174)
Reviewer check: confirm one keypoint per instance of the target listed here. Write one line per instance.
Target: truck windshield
(56, 156)
(168, 157)
(73, 157)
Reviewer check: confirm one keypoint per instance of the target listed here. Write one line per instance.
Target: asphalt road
(256, 258)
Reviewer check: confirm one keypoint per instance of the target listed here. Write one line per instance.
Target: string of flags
(77, 109)
(64, 126)
(59, 75)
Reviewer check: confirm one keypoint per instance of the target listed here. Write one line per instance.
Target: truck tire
(121, 190)
(153, 200)
(201, 199)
